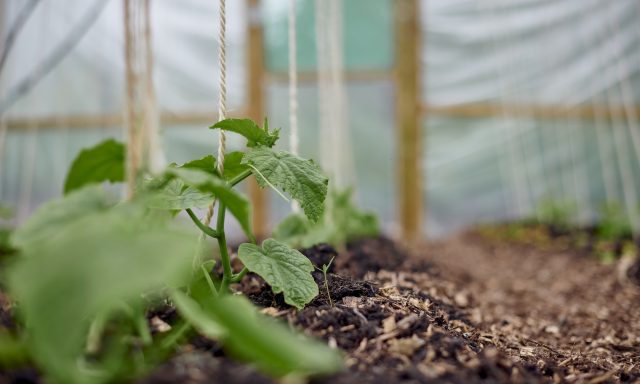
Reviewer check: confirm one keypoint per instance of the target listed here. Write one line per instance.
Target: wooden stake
(256, 108)
(408, 118)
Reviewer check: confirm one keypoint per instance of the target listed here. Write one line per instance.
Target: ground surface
(466, 310)
(567, 313)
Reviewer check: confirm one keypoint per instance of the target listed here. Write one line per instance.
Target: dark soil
(465, 310)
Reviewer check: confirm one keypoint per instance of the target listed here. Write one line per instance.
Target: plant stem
(143, 328)
(212, 286)
(240, 177)
(204, 228)
(238, 276)
(175, 335)
(227, 273)
(326, 286)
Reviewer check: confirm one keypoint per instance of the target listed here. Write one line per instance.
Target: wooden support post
(408, 114)
(256, 107)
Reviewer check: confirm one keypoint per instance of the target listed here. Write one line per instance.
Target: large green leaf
(255, 135)
(301, 178)
(215, 187)
(104, 162)
(267, 343)
(285, 269)
(51, 218)
(93, 264)
(174, 195)
(207, 164)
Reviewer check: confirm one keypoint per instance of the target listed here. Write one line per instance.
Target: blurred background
(489, 107)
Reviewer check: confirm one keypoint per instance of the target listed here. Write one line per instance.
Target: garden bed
(464, 310)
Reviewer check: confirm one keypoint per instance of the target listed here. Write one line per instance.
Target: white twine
(293, 80)
(155, 157)
(323, 85)
(335, 147)
(294, 139)
(222, 98)
(132, 160)
(222, 101)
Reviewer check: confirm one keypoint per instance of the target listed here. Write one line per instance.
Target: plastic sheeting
(561, 54)
(501, 52)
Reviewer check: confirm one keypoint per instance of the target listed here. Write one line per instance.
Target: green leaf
(207, 164)
(214, 186)
(301, 178)
(176, 196)
(292, 226)
(104, 162)
(350, 221)
(93, 264)
(341, 222)
(51, 218)
(255, 135)
(297, 231)
(194, 314)
(233, 165)
(269, 344)
(285, 269)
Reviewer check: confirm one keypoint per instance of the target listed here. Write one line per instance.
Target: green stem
(204, 228)
(176, 334)
(326, 286)
(143, 328)
(240, 177)
(227, 273)
(209, 281)
(238, 276)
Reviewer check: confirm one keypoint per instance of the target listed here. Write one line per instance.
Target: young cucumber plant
(196, 183)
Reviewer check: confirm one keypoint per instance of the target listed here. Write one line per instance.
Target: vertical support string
(294, 139)
(155, 155)
(222, 98)
(323, 84)
(131, 116)
(144, 149)
(293, 80)
(335, 147)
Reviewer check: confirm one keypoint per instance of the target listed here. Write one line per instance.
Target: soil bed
(466, 310)
(462, 311)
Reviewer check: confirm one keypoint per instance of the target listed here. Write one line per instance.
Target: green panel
(367, 34)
